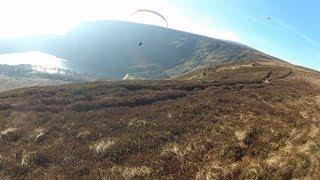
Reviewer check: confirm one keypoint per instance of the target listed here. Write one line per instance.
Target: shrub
(34, 158)
(83, 107)
(4, 107)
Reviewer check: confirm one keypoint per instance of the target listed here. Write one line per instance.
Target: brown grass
(230, 124)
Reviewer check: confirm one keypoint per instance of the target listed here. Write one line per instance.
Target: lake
(35, 58)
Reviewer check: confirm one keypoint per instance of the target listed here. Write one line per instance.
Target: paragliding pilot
(153, 12)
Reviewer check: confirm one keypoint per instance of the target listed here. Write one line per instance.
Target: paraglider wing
(153, 12)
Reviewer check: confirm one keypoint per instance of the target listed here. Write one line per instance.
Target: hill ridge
(110, 49)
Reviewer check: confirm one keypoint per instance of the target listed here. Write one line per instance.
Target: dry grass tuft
(132, 172)
(102, 146)
(39, 135)
(11, 134)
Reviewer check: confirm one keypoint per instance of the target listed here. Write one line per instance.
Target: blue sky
(292, 34)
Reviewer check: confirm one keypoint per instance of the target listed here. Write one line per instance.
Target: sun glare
(36, 17)
(33, 58)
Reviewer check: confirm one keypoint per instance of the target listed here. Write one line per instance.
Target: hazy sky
(292, 33)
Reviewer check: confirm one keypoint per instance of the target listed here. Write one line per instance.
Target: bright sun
(36, 17)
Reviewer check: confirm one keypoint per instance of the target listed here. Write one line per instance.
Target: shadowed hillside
(110, 49)
(244, 120)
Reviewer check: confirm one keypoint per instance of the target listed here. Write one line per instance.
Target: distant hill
(110, 49)
(19, 76)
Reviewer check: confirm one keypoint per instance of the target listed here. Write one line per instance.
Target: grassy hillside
(10, 83)
(247, 120)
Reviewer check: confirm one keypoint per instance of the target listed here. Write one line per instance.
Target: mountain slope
(245, 120)
(110, 48)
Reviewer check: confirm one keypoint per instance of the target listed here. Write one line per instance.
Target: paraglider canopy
(152, 12)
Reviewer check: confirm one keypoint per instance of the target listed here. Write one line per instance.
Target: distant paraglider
(269, 18)
(153, 12)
